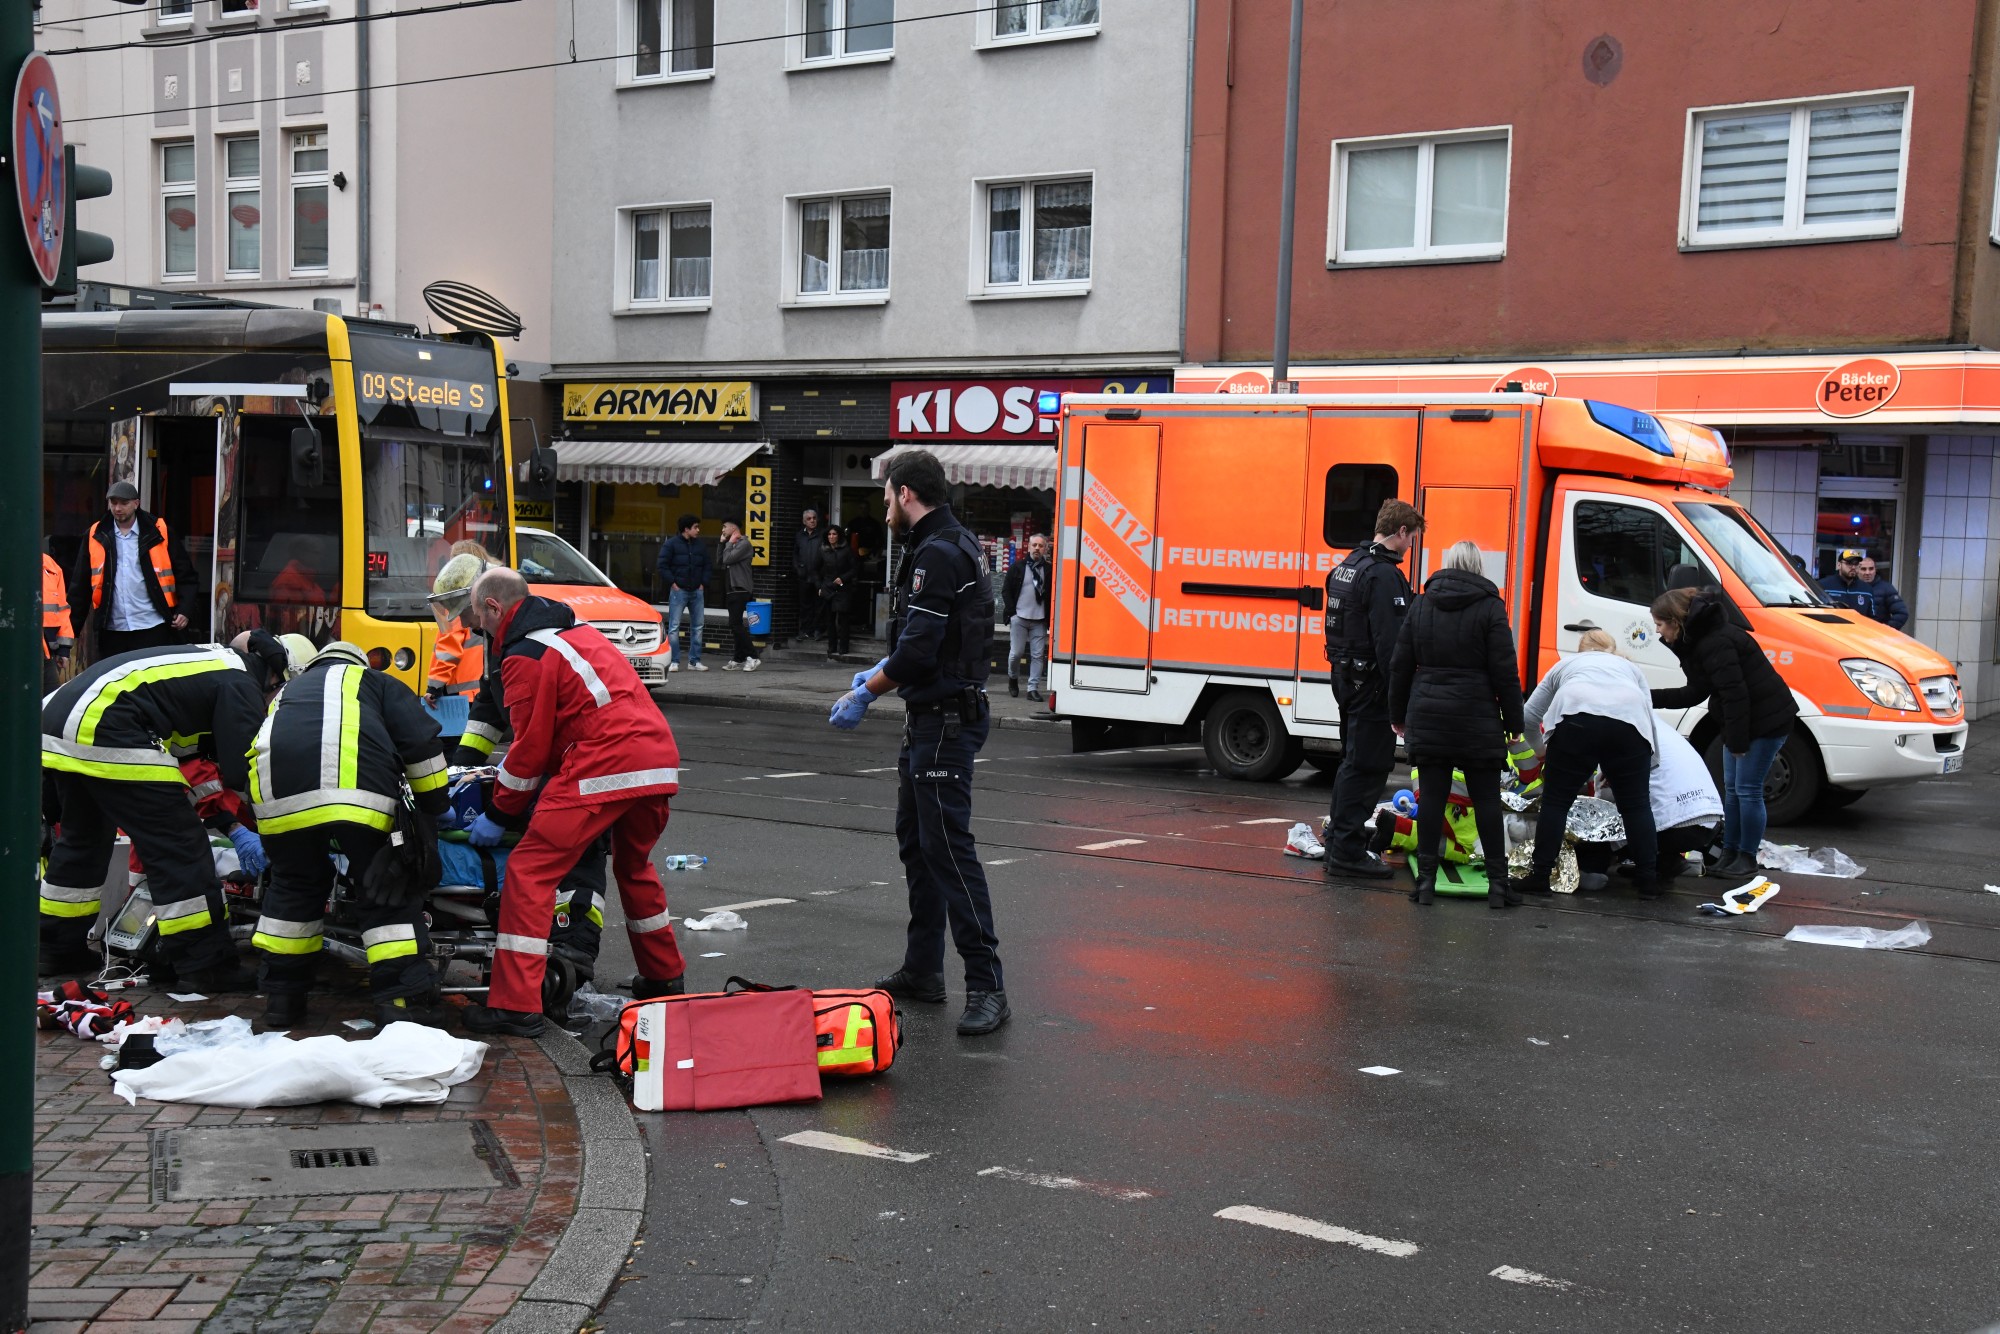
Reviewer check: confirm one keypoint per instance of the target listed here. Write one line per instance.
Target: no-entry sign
(38, 163)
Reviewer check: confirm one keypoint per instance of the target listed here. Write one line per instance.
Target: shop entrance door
(1861, 491)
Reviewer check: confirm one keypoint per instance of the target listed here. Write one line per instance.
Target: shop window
(843, 249)
(1354, 496)
(243, 206)
(1826, 169)
(833, 31)
(671, 252)
(176, 11)
(669, 39)
(1013, 22)
(1626, 552)
(309, 201)
(1036, 238)
(1416, 200)
(177, 210)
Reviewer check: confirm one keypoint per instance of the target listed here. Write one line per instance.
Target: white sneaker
(672, 665)
(1301, 843)
(732, 666)
(697, 666)
(752, 664)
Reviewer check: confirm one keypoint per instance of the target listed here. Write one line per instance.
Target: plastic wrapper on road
(1863, 937)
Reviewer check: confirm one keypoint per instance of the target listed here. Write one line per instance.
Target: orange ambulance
(1197, 530)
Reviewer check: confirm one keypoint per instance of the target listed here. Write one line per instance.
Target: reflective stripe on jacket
(57, 631)
(157, 555)
(337, 747)
(124, 717)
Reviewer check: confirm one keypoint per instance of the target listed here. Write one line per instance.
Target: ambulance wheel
(1245, 738)
(1794, 783)
(1833, 798)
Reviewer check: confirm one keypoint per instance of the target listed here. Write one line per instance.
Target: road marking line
(885, 769)
(1380, 1070)
(820, 1139)
(982, 760)
(753, 903)
(1114, 843)
(1312, 1227)
(1003, 861)
(1278, 819)
(1053, 1182)
(801, 774)
(1528, 1277)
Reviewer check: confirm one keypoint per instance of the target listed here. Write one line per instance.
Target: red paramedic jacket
(585, 730)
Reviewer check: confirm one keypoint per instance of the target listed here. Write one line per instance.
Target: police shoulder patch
(917, 580)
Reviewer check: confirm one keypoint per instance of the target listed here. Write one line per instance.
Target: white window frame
(628, 45)
(235, 184)
(985, 37)
(178, 18)
(796, 59)
(1338, 256)
(1026, 288)
(622, 300)
(295, 180)
(791, 295)
(188, 190)
(244, 11)
(1994, 231)
(1790, 232)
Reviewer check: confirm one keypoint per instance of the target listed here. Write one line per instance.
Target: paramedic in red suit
(591, 754)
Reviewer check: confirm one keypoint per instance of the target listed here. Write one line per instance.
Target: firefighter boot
(518, 1023)
(284, 1010)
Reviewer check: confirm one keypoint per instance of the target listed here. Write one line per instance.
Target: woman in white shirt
(1595, 710)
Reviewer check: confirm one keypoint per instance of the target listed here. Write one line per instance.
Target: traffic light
(79, 247)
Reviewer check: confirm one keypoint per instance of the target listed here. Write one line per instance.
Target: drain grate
(304, 1158)
(260, 1162)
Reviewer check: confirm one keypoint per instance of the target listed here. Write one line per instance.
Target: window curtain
(646, 20)
(813, 270)
(694, 35)
(645, 257)
(1062, 231)
(690, 250)
(1068, 13)
(1003, 234)
(1010, 20)
(864, 244)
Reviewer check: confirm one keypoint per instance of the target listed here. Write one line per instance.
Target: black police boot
(1427, 877)
(984, 1012)
(518, 1023)
(1369, 867)
(409, 1010)
(927, 987)
(651, 988)
(284, 1010)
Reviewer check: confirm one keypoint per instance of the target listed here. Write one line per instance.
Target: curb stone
(611, 1207)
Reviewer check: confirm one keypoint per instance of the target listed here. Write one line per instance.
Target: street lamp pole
(1281, 340)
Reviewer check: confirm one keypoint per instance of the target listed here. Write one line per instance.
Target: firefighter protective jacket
(338, 745)
(585, 730)
(137, 715)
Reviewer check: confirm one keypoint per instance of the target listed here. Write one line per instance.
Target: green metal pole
(20, 694)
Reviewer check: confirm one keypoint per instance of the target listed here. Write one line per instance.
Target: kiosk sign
(39, 181)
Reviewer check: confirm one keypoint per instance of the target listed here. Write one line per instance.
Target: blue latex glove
(851, 708)
(484, 832)
(249, 850)
(863, 678)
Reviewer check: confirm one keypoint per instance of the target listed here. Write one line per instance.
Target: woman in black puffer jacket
(1455, 698)
(1725, 667)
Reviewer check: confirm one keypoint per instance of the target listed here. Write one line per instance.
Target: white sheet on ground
(404, 1063)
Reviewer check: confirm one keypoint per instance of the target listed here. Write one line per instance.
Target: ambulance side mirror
(308, 462)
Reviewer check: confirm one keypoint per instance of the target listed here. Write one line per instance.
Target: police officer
(1366, 596)
(106, 739)
(367, 730)
(940, 639)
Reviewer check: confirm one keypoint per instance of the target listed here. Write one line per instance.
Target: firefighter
(58, 635)
(105, 738)
(940, 643)
(458, 659)
(1366, 598)
(578, 924)
(130, 578)
(591, 755)
(327, 776)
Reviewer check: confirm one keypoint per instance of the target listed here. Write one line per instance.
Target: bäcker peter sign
(995, 409)
(1857, 388)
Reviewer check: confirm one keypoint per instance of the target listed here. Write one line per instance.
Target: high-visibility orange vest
(163, 568)
(458, 661)
(55, 606)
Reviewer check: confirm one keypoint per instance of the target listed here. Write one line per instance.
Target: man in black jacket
(130, 582)
(684, 570)
(1024, 599)
(1366, 597)
(739, 585)
(805, 553)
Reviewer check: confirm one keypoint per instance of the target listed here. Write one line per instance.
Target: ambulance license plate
(1953, 763)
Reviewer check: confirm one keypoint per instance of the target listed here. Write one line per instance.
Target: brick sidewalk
(109, 1258)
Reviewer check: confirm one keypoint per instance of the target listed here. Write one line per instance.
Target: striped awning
(1030, 466)
(651, 462)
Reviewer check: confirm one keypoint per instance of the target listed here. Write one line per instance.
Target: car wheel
(1245, 738)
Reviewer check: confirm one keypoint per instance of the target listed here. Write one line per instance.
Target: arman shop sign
(661, 401)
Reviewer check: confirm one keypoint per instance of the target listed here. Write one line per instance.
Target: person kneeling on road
(590, 740)
(341, 718)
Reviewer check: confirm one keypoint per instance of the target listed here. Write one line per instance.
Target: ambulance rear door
(1357, 459)
(1113, 557)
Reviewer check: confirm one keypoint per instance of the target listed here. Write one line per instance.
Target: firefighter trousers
(291, 927)
(544, 856)
(168, 837)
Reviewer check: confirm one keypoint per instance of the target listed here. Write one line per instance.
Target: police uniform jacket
(337, 747)
(1372, 600)
(136, 715)
(941, 632)
(586, 731)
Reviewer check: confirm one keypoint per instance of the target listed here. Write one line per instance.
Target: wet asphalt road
(1676, 1124)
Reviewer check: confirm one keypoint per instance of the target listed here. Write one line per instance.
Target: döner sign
(1857, 388)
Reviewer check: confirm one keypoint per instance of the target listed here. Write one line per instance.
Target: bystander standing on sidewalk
(834, 570)
(738, 584)
(805, 558)
(1889, 607)
(1025, 596)
(684, 570)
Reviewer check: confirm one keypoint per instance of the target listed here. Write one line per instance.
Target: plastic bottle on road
(685, 861)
